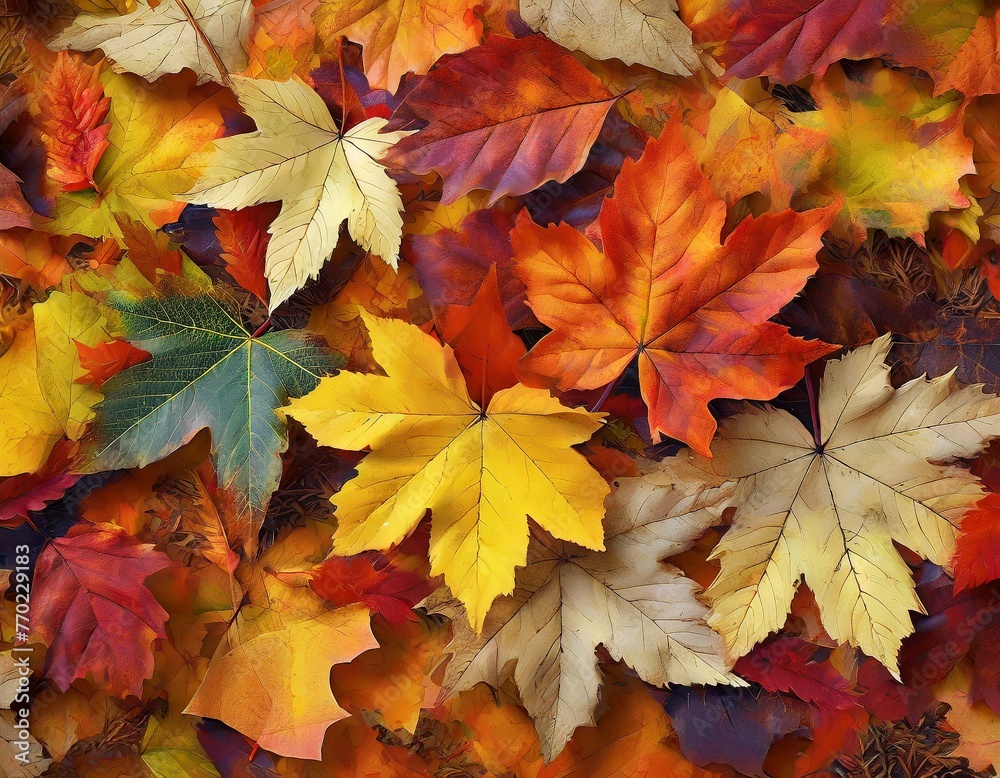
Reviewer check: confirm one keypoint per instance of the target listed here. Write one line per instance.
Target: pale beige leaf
(568, 600)
(644, 33)
(297, 155)
(153, 41)
(830, 513)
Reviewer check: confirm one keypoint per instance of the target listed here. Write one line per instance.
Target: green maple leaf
(206, 370)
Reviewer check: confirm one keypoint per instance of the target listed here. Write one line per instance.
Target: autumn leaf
(568, 600)
(93, 622)
(154, 129)
(975, 69)
(613, 29)
(207, 36)
(106, 360)
(206, 370)
(485, 348)
(73, 109)
(243, 242)
(828, 509)
(897, 154)
(40, 399)
(693, 310)
(14, 209)
(789, 39)
(748, 151)
(322, 177)
(731, 726)
(376, 288)
(270, 676)
(506, 117)
(481, 471)
(20, 494)
(398, 36)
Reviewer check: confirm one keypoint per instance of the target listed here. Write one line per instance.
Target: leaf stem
(223, 71)
(262, 328)
(813, 405)
(607, 392)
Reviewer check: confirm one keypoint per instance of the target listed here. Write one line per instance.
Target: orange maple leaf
(106, 359)
(73, 127)
(693, 309)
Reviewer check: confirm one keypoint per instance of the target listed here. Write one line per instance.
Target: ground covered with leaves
(526, 388)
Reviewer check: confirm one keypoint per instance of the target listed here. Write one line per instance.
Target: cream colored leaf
(299, 156)
(568, 600)
(830, 513)
(644, 33)
(153, 41)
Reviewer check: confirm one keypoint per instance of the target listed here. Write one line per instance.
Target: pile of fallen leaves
(519, 388)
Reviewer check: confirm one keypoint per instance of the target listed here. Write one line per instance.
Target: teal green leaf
(206, 370)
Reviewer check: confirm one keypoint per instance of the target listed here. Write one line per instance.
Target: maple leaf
(243, 239)
(568, 600)
(481, 471)
(371, 579)
(154, 129)
(898, 154)
(206, 370)
(829, 509)
(789, 39)
(106, 359)
(790, 664)
(695, 311)
(376, 288)
(40, 399)
(617, 29)
(73, 108)
(270, 676)
(506, 117)
(322, 177)
(93, 622)
(207, 36)
(486, 349)
(399, 35)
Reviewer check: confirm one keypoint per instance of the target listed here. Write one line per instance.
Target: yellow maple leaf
(323, 177)
(398, 35)
(39, 398)
(482, 472)
(827, 509)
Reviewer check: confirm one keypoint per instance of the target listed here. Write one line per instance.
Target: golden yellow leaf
(40, 400)
(828, 509)
(481, 471)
